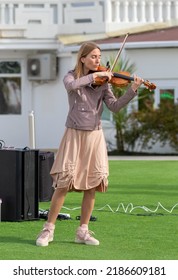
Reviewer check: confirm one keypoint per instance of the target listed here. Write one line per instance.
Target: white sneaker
(46, 235)
(83, 235)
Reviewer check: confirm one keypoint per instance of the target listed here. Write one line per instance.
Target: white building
(37, 37)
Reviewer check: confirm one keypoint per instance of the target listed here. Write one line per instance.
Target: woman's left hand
(137, 82)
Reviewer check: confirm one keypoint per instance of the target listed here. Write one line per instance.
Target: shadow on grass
(19, 240)
(15, 239)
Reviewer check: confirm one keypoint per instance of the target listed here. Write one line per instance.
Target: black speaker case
(19, 184)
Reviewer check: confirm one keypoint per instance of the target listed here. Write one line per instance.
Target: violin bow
(119, 52)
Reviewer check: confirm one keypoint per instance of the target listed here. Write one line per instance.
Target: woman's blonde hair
(84, 50)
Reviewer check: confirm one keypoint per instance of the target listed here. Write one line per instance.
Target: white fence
(48, 18)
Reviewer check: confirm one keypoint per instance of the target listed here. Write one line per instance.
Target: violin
(120, 79)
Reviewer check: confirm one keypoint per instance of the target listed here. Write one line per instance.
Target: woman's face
(91, 61)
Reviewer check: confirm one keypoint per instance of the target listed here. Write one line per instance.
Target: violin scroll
(149, 85)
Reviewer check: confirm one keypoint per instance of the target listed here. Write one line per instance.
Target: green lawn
(125, 232)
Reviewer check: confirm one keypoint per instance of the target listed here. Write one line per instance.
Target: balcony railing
(49, 18)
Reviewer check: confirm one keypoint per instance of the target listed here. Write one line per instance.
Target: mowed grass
(137, 219)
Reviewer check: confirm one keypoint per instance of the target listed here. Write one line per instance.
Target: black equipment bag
(46, 160)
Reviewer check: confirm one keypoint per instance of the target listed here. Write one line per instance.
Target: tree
(149, 126)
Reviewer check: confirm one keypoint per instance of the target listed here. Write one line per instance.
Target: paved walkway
(143, 157)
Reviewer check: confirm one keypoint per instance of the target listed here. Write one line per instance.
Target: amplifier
(19, 184)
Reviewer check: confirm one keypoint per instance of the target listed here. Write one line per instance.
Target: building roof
(164, 34)
(160, 36)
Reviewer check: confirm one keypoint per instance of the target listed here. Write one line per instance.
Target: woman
(81, 162)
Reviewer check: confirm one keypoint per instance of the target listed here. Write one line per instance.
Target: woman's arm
(116, 104)
(72, 84)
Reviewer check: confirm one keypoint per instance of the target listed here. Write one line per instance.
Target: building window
(10, 87)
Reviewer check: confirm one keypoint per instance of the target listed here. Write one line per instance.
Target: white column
(142, 10)
(160, 11)
(134, 18)
(107, 11)
(117, 11)
(2, 7)
(176, 9)
(126, 14)
(151, 11)
(168, 10)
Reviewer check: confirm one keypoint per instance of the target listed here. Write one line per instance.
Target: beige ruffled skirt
(81, 162)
